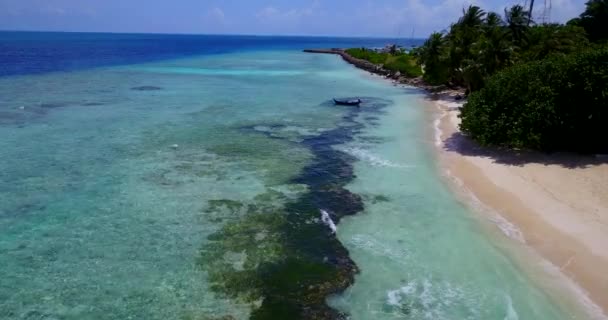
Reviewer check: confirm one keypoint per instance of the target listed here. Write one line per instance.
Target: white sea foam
(508, 228)
(378, 248)
(262, 129)
(505, 226)
(593, 311)
(454, 178)
(438, 132)
(394, 297)
(424, 299)
(372, 159)
(511, 312)
(437, 127)
(327, 220)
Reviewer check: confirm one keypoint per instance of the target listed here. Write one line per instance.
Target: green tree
(481, 44)
(594, 20)
(463, 34)
(493, 20)
(495, 50)
(552, 39)
(556, 104)
(432, 56)
(518, 22)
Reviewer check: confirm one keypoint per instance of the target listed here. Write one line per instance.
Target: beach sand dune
(559, 202)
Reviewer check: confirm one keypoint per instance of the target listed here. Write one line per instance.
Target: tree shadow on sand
(463, 145)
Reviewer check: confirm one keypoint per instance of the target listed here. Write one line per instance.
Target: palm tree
(472, 17)
(463, 34)
(432, 57)
(493, 48)
(432, 47)
(518, 22)
(551, 39)
(493, 20)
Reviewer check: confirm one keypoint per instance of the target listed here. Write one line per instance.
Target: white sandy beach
(558, 203)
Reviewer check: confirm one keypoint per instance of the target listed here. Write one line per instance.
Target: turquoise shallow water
(194, 189)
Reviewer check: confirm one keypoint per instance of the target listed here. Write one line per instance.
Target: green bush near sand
(369, 55)
(399, 62)
(405, 64)
(556, 104)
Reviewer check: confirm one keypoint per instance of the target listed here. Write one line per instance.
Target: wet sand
(558, 203)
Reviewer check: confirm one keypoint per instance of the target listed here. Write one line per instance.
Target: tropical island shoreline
(377, 69)
(551, 203)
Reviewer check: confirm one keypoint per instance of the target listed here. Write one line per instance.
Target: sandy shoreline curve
(558, 204)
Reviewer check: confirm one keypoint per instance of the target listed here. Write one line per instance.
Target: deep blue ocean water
(36, 52)
(212, 177)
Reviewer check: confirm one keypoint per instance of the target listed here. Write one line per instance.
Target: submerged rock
(54, 105)
(93, 104)
(377, 198)
(146, 88)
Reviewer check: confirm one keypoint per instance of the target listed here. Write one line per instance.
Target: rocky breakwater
(359, 63)
(396, 76)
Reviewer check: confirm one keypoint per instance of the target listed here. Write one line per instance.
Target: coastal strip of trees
(394, 61)
(530, 86)
(539, 86)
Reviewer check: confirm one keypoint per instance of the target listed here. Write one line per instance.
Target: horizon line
(216, 34)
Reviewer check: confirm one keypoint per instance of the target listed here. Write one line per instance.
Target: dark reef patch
(11, 117)
(93, 104)
(277, 254)
(54, 105)
(372, 139)
(23, 209)
(146, 88)
(21, 116)
(377, 198)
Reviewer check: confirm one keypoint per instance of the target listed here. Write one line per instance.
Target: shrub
(557, 104)
(553, 39)
(369, 55)
(404, 64)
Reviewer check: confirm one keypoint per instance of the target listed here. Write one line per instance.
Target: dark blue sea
(40, 52)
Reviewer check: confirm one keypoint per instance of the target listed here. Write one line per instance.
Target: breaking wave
(326, 219)
(424, 299)
(373, 159)
(378, 248)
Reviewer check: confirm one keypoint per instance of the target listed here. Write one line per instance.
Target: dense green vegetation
(369, 55)
(560, 103)
(394, 61)
(480, 44)
(594, 20)
(404, 64)
(538, 86)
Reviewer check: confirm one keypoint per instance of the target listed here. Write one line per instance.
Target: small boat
(347, 102)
